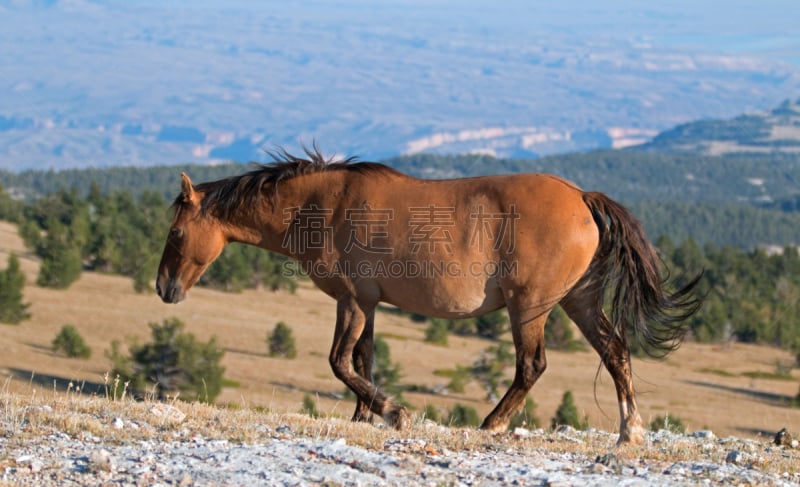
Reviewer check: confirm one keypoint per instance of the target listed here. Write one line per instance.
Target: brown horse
(456, 248)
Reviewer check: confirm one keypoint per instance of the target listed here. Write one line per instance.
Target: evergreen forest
(736, 218)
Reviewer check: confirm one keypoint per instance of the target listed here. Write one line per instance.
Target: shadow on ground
(315, 393)
(59, 384)
(245, 352)
(764, 396)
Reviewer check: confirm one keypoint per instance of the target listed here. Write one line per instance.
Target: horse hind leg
(528, 334)
(584, 306)
(362, 362)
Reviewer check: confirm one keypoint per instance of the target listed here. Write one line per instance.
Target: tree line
(750, 295)
(628, 175)
(735, 199)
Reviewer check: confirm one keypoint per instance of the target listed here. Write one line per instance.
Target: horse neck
(268, 224)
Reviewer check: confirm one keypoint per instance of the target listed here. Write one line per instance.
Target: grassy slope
(702, 384)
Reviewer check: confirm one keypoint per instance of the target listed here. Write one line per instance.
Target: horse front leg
(351, 321)
(530, 364)
(362, 361)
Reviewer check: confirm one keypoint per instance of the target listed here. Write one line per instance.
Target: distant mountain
(777, 130)
(95, 83)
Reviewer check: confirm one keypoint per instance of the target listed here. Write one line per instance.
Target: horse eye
(176, 233)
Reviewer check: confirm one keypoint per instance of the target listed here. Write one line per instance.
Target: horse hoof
(634, 436)
(398, 418)
(494, 427)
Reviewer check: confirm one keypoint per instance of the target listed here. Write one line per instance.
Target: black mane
(227, 195)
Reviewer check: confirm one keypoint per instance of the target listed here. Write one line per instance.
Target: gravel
(286, 458)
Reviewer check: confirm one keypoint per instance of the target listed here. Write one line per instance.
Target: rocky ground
(162, 447)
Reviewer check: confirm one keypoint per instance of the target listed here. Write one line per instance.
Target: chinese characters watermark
(425, 246)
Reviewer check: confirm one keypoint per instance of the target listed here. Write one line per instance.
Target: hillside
(707, 386)
(776, 130)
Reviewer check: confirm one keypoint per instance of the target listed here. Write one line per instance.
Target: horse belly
(444, 298)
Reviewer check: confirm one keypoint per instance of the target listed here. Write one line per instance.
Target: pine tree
(567, 414)
(10, 209)
(385, 374)
(281, 341)
(70, 343)
(12, 282)
(61, 258)
(173, 362)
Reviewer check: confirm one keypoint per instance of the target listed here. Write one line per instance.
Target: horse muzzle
(170, 291)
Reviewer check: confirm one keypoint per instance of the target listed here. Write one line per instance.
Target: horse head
(194, 241)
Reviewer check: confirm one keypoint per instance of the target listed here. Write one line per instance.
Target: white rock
(522, 432)
(734, 456)
(101, 461)
(707, 434)
(23, 459)
(36, 466)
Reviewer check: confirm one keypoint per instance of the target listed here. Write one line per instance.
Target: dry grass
(27, 417)
(702, 385)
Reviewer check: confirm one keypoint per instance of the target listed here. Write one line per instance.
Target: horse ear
(187, 189)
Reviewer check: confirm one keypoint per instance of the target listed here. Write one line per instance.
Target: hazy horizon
(97, 83)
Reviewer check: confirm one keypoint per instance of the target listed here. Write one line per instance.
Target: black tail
(628, 266)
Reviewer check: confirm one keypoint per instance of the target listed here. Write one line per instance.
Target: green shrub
(281, 341)
(462, 415)
(567, 414)
(669, 423)
(490, 368)
(459, 379)
(70, 343)
(465, 327)
(310, 406)
(432, 413)
(174, 362)
(558, 334)
(436, 332)
(492, 325)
